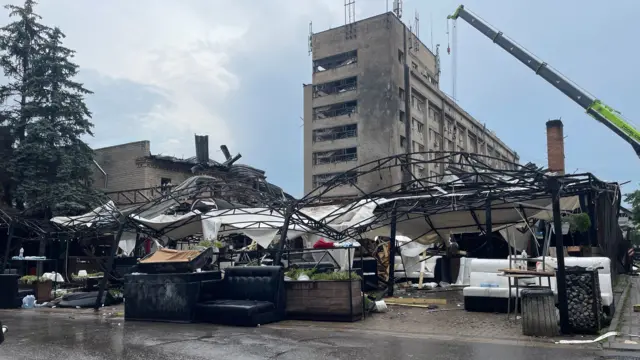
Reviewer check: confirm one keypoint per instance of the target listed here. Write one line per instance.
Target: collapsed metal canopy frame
(466, 183)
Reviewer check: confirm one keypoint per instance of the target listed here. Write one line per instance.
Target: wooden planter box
(324, 300)
(41, 289)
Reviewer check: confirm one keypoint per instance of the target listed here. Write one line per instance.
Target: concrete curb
(618, 315)
(615, 323)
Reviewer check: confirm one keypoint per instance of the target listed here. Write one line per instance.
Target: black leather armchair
(247, 296)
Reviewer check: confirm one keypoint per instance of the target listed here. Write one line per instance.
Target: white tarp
(107, 212)
(173, 226)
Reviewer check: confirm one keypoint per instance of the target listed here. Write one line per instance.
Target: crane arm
(594, 107)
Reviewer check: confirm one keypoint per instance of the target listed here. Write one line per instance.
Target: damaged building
(130, 174)
(359, 109)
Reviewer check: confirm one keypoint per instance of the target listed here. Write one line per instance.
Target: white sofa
(479, 296)
(410, 268)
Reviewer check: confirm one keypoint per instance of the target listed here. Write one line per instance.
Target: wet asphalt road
(35, 336)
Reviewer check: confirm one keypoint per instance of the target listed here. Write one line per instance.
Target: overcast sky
(163, 70)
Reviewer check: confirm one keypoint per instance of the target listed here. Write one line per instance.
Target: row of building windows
(335, 156)
(335, 61)
(335, 133)
(335, 87)
(347, 177)
(333, 110)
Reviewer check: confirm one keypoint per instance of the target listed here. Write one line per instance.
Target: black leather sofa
(246, 296)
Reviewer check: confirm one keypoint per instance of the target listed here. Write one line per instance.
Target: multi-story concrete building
(375, 92)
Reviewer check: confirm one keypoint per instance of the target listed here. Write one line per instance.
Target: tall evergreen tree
(51, 164)
(20, 43)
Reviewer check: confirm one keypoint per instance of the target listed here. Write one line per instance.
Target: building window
(401, 116)
(322, 179)
(448, 144)
(335, 133)
(335, 87)
(335, 156)
(335, 61)
(417, 103)
(434, 176)
(414, 66)
(417, 124)
(403, 141)
(334, 110)
(417, 147)
(401, 93)
(400, 56)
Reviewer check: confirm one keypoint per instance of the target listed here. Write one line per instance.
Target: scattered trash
(381, 306)
(636, 308)
(303, 277)
(28, 302)
(444, 284)
(599, 338)
(426, 286)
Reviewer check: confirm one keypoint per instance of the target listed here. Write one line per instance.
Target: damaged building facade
(359, 108)
(130, 174)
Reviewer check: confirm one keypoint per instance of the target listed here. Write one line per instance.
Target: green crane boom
(597, 109)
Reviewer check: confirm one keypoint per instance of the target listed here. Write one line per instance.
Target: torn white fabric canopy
(105, 213)
(173, 226)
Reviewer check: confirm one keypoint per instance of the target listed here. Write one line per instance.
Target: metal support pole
(114, 249)
(488, 227)
(561, 279)
(591, 209)
(392, 252)
(283, 236)
(8, 247)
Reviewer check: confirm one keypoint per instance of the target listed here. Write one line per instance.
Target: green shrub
(32, 279)
(311, 273)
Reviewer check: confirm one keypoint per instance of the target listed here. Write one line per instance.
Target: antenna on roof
(350, 18)
(349, 11)
(310, 37)
(431, 25)
(416, 38)
(397, 8)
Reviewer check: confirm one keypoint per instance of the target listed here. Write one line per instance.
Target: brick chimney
(555, 146)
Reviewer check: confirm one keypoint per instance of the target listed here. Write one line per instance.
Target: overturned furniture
(167, 296)
(175, 261)
(246, 296)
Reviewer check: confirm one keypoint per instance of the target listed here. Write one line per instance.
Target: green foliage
(209, 243)
(633, 198)
(323, 276)
(336, 276)
(31, 279)
(46, 166)
(578, 222)
(92, 275)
